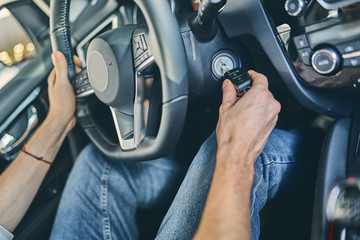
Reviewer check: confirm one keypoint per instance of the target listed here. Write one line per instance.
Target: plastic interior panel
(249, 17)
(332, 169)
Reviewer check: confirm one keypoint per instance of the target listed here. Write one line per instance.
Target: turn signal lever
(203, 26)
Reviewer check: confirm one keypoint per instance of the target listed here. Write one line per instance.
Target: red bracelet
(36, 157)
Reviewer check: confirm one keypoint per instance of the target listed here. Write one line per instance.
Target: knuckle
(263, 94)
(261, 77)
(221, 109)
(277, 106)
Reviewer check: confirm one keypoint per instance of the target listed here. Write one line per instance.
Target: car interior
(150, 87)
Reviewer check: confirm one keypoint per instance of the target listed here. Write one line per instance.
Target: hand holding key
(239, 77)
(245, 123)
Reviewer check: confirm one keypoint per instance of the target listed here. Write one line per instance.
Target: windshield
(15, 49)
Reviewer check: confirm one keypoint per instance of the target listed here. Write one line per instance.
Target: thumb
(229, 94)
(258, 79)
(60, 65)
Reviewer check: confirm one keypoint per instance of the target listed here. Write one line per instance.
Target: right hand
(245, 124)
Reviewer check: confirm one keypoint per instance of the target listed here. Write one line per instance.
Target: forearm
(227, 211)
(21, 180)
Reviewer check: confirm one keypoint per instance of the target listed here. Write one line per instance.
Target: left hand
(61, 93)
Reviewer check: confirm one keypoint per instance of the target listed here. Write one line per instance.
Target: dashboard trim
(113, 19)
(351, 55)
(20, 108)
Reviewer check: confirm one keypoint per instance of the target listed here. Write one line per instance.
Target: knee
(87, 166)
(282, 147)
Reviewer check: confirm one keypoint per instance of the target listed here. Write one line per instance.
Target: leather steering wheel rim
(168, 50)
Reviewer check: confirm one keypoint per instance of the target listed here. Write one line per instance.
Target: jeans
(102, 195)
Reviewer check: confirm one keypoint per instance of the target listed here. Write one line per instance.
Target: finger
(258, 79)
(229, 94)
(77, 61)
(51, 78)
(77, 69)
(60, 65)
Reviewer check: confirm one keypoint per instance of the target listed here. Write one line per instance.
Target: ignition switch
(223, 58)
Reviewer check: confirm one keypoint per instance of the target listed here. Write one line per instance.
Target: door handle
(9, 142)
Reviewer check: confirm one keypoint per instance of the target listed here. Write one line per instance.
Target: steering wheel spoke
(124, 125)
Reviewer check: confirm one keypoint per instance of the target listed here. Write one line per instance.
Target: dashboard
(323, 42)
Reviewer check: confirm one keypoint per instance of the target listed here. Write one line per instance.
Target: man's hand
(242, 132)
(245, 124)
(61, 93)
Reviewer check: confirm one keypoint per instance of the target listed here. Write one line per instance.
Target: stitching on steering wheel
(65, 31)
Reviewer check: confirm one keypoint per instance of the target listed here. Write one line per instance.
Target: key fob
(240, 78)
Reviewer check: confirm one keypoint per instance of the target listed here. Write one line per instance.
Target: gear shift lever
(343, 204)
(203, 26)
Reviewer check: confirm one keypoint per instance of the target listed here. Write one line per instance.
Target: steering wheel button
(301, 41)
(139, 46)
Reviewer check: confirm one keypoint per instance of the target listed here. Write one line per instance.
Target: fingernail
(56, 56)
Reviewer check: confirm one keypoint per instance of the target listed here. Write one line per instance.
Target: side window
(16, 47)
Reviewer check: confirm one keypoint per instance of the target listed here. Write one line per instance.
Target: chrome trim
(301, 7)
(6, 140)
(20, 108)
(139, 121)
(336, 4)
(331, 203)
(145, 64)
(4, 2)
(180, 98)
(351, 55)
(332, 54)
(127, 144)
(113, 19)
(140, 92)
(343, 234)
(33, 120)
(332, 213)
(172, 5)
(86, 93)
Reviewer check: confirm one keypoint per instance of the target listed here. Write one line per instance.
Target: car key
(239, 77)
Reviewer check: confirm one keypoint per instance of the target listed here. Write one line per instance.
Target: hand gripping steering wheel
(117, 64)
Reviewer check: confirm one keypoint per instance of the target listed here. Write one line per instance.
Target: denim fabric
(273, 170)
(101, 196)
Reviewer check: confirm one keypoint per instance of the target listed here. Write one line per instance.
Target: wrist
(236, 164)
(57, 124)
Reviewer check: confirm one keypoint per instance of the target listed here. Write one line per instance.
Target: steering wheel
(118, 63)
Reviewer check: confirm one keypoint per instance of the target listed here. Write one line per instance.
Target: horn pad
(110, 68)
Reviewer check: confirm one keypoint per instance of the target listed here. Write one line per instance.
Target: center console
(321, 39)
(324, 47)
